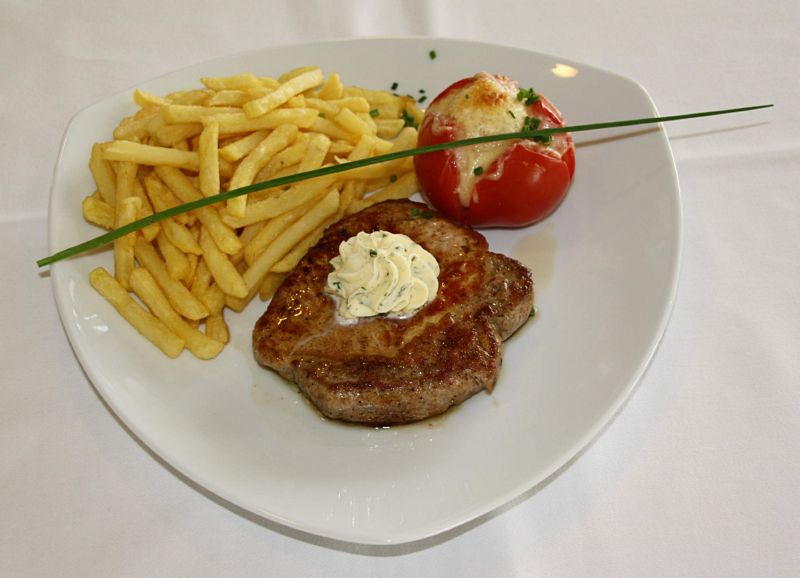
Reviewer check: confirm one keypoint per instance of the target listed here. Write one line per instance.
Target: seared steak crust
(383, 371)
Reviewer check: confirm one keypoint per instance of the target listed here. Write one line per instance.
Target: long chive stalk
(342, 167)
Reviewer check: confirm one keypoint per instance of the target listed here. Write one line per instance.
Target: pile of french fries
(238, 130)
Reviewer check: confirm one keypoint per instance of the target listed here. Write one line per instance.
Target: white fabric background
(698, 476)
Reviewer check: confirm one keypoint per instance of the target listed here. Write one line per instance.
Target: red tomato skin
(529, 186)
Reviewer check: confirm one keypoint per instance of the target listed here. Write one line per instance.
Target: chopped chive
(432, 54)
(414, 211)
(374, 112)
(422, 99)
(322, 115)
(394, 86)
(427, 214)
(528, 95)
(531, 123)
(392, 178)
(408, 119)
(477, 171)
(511, 114)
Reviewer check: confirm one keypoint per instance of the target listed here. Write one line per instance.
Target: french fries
(173, 280)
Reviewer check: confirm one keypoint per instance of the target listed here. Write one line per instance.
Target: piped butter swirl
(382, 273)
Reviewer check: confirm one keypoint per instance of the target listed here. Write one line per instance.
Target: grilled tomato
(508, 183)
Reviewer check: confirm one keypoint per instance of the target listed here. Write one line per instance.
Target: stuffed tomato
(508, 183)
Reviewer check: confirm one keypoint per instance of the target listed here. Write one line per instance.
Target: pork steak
(381, 370)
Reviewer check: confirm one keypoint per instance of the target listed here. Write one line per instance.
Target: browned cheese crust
(383, 371)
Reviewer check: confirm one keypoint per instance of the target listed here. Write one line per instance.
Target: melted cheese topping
(486, 106)
(382, 273)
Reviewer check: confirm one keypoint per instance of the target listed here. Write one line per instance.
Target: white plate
(606, 267)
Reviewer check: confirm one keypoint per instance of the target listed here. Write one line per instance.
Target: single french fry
(405, 140)
(192, 259)
(293, 234)
(237, 150)
(182, 187)
(195, 96)
(135, 128)
(296, 71)
(354, 124)
(103, 174)
(247, 234)
(223, 271)
(228, 97)
(294, 86)
(332, 88)
(145, 323)
(162, 199)
(238, 81)
(325, 107)
(402, 188)
(209, 158)
(389, 128)
(298, 101)
(202, 280)
(148, 290)
(352, 191)
(372, 95)
(147, 99)
(122, 150)
(97, 211)
(181, 298)
(288, 157)
(340, 147)
(282, 201)
(125, 178)
(180, 113)
(333, 130)
(269, 82)
(276, 141)
(127, 211)
(152, 230)
(214, 299)
(181, 237)
(270, 284)
(292, 258)
(169, 135)
(217, 329)
(270, 231)
(239, 122)
(316, 152)
(176, 261)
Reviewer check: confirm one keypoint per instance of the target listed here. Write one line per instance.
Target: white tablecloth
(698, 476)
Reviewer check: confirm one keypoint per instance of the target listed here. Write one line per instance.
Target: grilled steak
(382, 370)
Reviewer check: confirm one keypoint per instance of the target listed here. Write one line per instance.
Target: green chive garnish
(110, 236)
(432, 54)
(408, 119)
(477, 171)
(528, 95)
(374, 112)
